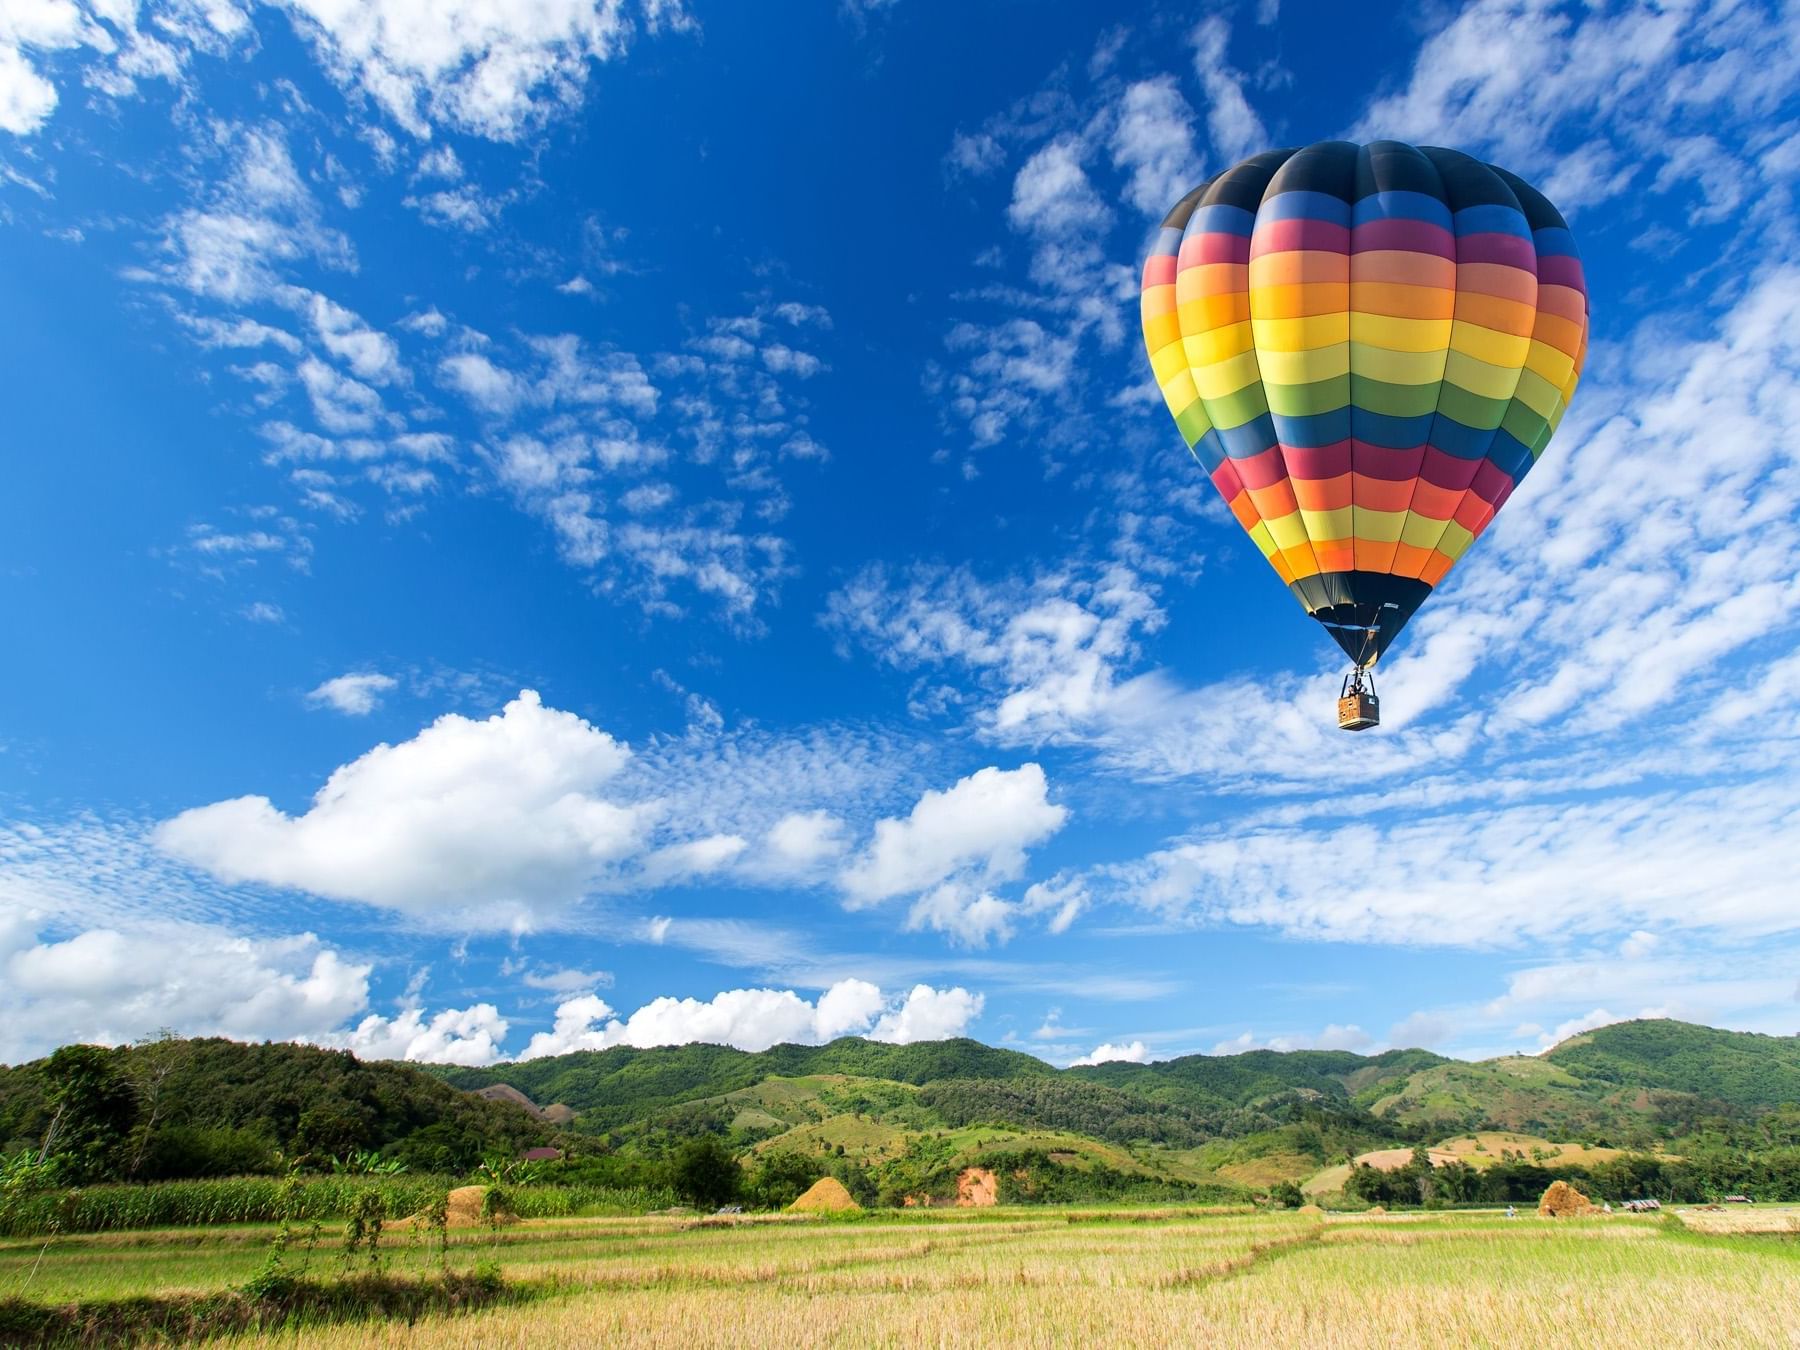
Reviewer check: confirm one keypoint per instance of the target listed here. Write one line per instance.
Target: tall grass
(186, 1204)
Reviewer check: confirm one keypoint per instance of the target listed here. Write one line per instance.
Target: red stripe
(1447, 471)
(1318, 461)
(1159, 270)
(1407, 236)
(1380, 461)
(1287, 236)
(1264, 470)
(1214, 246)
(1506, 249)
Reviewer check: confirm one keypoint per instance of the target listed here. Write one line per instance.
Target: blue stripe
(1554, 242)
(1402, 206)
(1453, 438)
(1222, 220)
(1249, 440)
(1315, 429)
(1209, 450)
(1168, 243)
(1492, 219)
(1301, 205)
(1510, 455)
(1392, 433)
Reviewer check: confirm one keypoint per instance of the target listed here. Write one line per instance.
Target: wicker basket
(1358, 711)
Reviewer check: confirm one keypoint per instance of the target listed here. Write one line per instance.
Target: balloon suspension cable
(1358, 707)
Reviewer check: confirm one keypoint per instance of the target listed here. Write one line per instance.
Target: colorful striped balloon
(1367, 348)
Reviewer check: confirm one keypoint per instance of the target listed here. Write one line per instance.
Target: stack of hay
(1563, 1201)
(826, 1196)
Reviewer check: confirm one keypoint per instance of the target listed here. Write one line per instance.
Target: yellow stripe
(1322, 363)
(1378, 363)
(1259, 535)
(1287, 531)
(1553, 364)
(1158, 300)
(1323, 527)
(1403, 335)
(1207, 346)
(1481, 377)
(1178, 390)
(1167, 361)
(1219, 378)
(1421, 531)
(1161, 329)
(1537, 393)
(1299, 335)
(1380, 527)
(1455, 540)
(1484, 344)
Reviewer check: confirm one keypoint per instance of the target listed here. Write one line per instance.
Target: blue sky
(642, 522)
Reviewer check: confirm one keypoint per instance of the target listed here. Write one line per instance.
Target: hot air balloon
(1366, 348)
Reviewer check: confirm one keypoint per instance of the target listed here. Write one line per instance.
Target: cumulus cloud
(469, 1035)
(1153, 140)
(1132, 1052)
(493, 823)
(355, 695)
(980, 828)
(115, 983)
(755, 1019)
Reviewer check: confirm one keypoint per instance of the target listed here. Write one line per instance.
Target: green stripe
(1472, 410)
(1394, 400)
(1308, 400)
(1235, 409)
(1193, 423)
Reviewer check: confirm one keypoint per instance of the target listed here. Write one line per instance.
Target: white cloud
(355, 695)
(1333, 1037)
(1132, 1052)
(979, 828)
(469, 1035)
(116, 983)
(755, 1019)
(490, 823)
(1153, 140)
(483, 66)
(1236, 131)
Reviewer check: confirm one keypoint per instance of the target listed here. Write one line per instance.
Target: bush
(184, 1151)
(706, 1174)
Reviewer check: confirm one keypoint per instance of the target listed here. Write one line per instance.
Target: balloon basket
(1358, 708)
(1359, 711)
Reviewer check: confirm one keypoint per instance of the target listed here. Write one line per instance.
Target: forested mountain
(899, 1117)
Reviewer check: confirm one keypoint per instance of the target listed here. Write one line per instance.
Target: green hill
(894, 1117)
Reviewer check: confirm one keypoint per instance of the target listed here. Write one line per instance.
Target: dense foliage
(614, 1087)
(1073, 1105)
(186, 1108)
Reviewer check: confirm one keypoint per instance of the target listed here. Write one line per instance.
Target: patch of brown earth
(976, 1188)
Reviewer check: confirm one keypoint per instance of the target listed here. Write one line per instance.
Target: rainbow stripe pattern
(1367, 348)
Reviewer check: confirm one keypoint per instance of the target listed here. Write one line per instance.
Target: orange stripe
(1408, 269)
(1434, 502)
(1322, 494)
(1335, 555)
(1299, 302)
(1244, 511)
(1490, 311)
(1381, 494)
(1298, 267)
(1274, 501)
(1509, 283)
(1410, 559)
(1433, 571)
(1401, 302)
(1374, 556)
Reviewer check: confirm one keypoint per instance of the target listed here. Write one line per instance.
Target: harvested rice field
(1020, 1277)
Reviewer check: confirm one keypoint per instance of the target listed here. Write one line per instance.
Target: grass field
(1030, 1277)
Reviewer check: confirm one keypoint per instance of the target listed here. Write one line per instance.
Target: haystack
(1563, 1201)
(1378, 1209)
(1311, 1209)
(826, 1196)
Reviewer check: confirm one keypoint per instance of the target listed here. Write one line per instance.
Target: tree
(93, 1111)
(781, 1177)
(1287, 1195)
(707, 1173)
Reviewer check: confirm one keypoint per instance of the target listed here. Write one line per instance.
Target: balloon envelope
(1367, 348)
